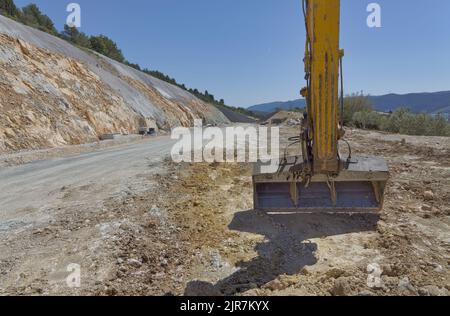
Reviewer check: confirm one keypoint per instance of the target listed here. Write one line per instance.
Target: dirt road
(137, 224)
(48, 196)
(37, 184)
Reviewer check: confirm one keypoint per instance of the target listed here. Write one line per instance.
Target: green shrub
(357, 102)
(402, 121)
(8, 8)
(32, 16)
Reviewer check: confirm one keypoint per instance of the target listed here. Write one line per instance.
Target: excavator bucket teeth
(360, 188)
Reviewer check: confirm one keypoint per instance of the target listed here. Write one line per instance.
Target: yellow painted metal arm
(322, 65)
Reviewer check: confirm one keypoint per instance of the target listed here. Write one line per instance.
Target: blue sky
(251, 51)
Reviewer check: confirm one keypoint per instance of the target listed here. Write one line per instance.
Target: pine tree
(8, 8)
(72, 34)
(107, 47)
(32, 16)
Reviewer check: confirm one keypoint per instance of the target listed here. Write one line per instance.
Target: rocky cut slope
(53, 93)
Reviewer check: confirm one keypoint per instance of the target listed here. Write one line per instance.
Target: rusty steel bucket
(359, 188)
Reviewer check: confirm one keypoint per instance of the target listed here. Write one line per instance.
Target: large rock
(405, 287)
(428, 195)
(342, 287)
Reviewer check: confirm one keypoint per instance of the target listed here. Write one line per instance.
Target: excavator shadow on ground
(286, 249)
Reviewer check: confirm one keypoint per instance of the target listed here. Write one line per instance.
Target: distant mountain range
(432, 103)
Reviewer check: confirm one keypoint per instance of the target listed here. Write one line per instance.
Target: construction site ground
(138, 224)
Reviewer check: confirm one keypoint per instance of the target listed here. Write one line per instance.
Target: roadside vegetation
(359, 112)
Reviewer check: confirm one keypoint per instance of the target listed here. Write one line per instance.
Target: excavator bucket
(359, 188)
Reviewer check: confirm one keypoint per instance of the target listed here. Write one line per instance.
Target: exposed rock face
(48, 100)
(53, 94)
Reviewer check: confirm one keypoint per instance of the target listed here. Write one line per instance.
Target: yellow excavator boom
(318, 179)
(322, 66)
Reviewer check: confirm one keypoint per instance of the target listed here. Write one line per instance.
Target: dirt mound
(286, 117)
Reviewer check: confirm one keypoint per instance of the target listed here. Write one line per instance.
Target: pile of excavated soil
(226, 248)
(286, 117)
